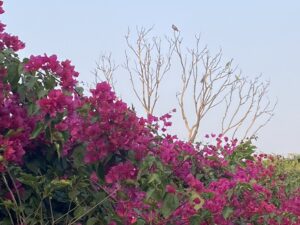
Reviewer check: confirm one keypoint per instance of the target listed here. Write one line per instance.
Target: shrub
(67, 158)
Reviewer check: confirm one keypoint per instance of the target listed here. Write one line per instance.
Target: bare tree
(106, 66)
(209, 84)
(146, 61)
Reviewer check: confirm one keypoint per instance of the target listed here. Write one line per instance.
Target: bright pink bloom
(170, 189)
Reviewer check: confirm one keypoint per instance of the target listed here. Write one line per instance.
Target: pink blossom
(170, 189)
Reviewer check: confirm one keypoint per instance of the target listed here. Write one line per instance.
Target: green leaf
(154, 193)
(171, 202)
(79, 211)
(22, 92)
(230, 193)
(195, 220)
(58, 136)
(49, 82)
(37, 130)
(33, 109)
(2, 57)
(30, 82)
(13, 75)
(99, 196)
(92, 221)
(160, 166)
(12, 132)
(227, 211)
(5, 221)
(78, 155)
(42, 93)
(154, 177)
(8, 204)
(150, 193)
(57, 149)
(140, 222)
(28, 179)
(20, 68)
(207, 195)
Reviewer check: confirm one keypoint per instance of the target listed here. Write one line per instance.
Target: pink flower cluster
(8, 40)
(63, 70)
(121, 172)
(15, 127)
(56, 102)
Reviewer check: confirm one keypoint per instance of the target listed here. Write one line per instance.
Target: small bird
(175, 28)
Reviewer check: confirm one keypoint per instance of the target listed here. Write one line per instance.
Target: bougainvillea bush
(67, 158)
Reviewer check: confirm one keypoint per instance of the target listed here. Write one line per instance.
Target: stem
(92, 208)
(51, 211)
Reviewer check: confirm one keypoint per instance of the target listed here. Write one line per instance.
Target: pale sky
(263, 37)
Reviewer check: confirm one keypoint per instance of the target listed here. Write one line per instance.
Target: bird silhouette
(175, 28)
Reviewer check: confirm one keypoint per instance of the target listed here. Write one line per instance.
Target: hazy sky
(263, 37)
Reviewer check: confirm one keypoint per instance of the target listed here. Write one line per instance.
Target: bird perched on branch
(175, 28)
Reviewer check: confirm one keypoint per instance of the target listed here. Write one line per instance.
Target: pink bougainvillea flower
(170, 189)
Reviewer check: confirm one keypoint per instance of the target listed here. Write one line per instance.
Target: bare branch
(213, 84)
(149, 64)
(207, 82)
(207, 78)
(105, 68)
